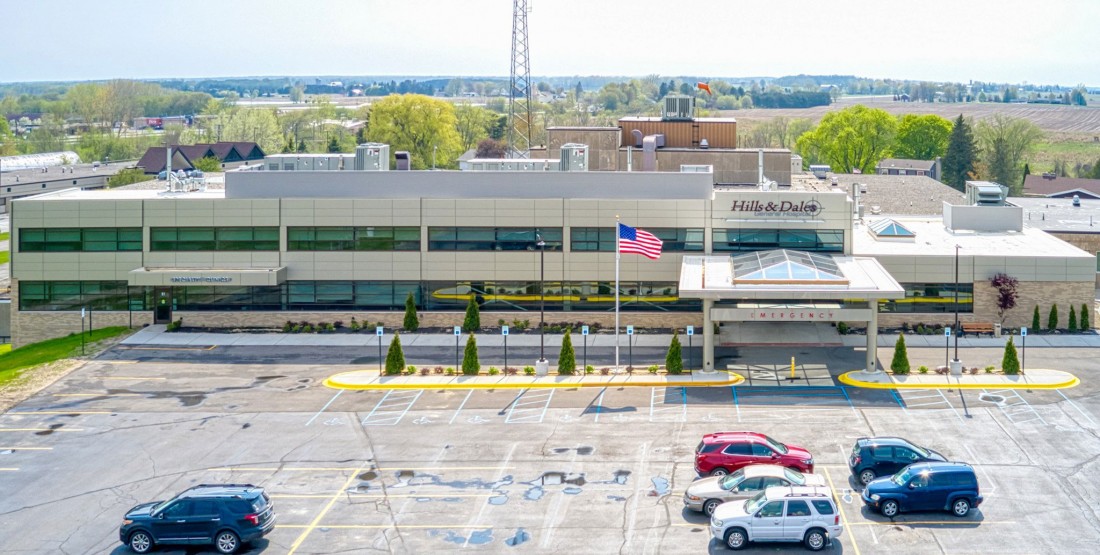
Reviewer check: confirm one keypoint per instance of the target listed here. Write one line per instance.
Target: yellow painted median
(1033, 379)
(366, 380)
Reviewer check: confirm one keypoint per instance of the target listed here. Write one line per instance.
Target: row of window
(428, 295)
(582, 239)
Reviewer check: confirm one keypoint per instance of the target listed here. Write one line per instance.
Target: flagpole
(617, 255)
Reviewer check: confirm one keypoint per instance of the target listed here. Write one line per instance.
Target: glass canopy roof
(786, 266)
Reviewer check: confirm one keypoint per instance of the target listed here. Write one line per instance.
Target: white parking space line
(392, 407)
(325, 407)
(1078, 407)
(599, 405)
(468, 394)
(929, 398)
(1015, 407)
(667, 403)
(530, 407)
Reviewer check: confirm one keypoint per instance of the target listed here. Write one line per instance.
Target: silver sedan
(705, 494)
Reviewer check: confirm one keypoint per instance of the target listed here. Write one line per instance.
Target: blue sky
(958, 40)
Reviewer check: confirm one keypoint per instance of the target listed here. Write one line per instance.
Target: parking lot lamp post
(957, 329)
(542, 297)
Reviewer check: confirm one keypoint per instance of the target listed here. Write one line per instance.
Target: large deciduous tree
(417, 124)
(473, 124)
(922, 137)
(854, 138)
(961, 155)
(257, 125)
(1004, 141)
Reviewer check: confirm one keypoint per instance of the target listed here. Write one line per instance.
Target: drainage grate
(990, 398)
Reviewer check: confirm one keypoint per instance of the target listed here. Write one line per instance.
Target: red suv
(724, 452)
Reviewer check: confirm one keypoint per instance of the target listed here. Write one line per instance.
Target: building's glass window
(353, 238)
(74, 295)
(492, 238)
(214, 239)
(206, 297)
(559, 296)
(602, 239)
(936, 298)
(91, 239)
(741, 240)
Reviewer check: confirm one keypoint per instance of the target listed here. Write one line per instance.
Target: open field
(1050, 118)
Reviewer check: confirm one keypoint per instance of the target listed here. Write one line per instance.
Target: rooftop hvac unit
(574, 157)
(403, 161)
(372, 157)
(985, 193)
(679, 107)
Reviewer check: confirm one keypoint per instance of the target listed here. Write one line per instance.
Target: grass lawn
(5, 256)
(1066, 148)
(5, 236)
(12, 362)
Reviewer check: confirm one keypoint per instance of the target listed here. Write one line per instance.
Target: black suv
(884, 456)
(225, 515)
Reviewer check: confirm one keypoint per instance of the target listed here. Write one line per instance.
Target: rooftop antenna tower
(519, 101)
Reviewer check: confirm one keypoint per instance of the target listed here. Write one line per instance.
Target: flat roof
(934, 239)
(895, 194)
(693, 120)
(124, 194)
(1059, 214)
(60, 173)
(711, 277)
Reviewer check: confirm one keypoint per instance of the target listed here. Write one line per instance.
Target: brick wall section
(1044, 293)
(32, 327)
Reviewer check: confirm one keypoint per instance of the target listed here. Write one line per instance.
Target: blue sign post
(690, 332)
(458, 365)
(504, 332)
(584, 359)
(378, 331)
(1023, 349)
(946, 345)
(630, 349)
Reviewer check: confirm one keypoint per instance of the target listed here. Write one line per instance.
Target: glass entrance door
(163, 312)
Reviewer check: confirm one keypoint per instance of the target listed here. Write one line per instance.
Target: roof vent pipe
(637, 138)
(649, 154)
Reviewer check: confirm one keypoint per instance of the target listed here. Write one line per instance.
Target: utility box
(372, 157)
(574, 157)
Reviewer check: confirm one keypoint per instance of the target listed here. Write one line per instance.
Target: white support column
(708, 336)
(872, 337)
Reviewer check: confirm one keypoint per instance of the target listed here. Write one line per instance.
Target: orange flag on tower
(704, 87)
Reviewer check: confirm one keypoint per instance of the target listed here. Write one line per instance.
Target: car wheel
(719, 472)
(815, 540)
(736, 539)
(960, 507)
(141, 542)
(226, 542)
(867, 476)
(889, 508)
(710, 505)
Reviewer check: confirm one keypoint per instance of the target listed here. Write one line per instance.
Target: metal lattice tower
(519, 104)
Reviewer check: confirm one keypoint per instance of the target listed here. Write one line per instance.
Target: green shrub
(470, 364)
(493, 371)
(653, 368)
(1052, 318)
(1072, 324)
(1035, 321)
(128, 176)
(567, 359)
(529, 370)
(330, 327)
(208, 164)
(354, 324)
(296, 329)
(450, 371)
(1085, 318)
(410, 369)
(288, 326)
(472, 322)
(674, 360)
(589, 369)
(922, 369)
(412, 323)
(1010, 364)
(308, 328)
(395, 357)
(900, 364)
(989, 369)
(842, 328)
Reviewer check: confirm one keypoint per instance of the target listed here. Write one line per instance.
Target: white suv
(779, 514)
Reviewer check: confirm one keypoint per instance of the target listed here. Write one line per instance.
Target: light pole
(957, 247)
(542, 297)
(434, 149)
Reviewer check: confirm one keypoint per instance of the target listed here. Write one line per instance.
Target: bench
(977, 327)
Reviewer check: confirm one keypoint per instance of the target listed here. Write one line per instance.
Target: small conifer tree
(470, 364)
(472, 322)
(900, 364)
(1052, 319)
(567, 359)
(1072, 324)
(1010, 364)
(1035, 321)
(395, 357)
(1085, 319)
(412, 323)
(674, 360)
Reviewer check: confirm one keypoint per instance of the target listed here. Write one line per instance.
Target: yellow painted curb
(848, 380)
(335, 383)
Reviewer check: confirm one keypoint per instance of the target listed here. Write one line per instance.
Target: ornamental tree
(674, 360)
(395, 357)
(1007, 294)
(412, 323)
(567, 358)
(1009, 363)
(470, 364)
(900, 364)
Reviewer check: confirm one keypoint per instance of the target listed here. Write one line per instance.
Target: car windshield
(776, 446)
(920, 451)
(754, 503)
(733, 480)
(795, 477)
(902, 477)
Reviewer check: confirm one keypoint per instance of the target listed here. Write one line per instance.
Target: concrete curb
(1046, 379)
(344, 381)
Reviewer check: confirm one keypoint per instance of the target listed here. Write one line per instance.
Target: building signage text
(786, 208)
(201, 279)
(792, 315)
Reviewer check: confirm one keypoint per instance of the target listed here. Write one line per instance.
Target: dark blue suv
(225, 515)
(928, 486)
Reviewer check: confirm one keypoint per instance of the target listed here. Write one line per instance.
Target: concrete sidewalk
(1038, 378)
(362, 379)
(156, 335)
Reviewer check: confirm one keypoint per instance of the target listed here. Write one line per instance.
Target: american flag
(637, 241)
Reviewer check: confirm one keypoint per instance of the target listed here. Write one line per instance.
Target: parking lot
(546, 471)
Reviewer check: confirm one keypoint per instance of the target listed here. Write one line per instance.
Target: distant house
(1052, 186)
(899, 166)
(229, 154)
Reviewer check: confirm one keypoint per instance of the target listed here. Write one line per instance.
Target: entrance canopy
(786, 274)
(224, 277)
